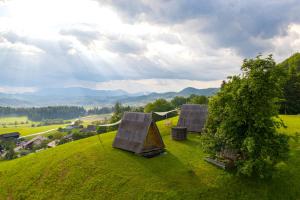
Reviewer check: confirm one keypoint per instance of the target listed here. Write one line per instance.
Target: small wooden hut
(139, 134)
(193, 117)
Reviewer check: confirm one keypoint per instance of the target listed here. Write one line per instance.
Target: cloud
(84, 34)
(16, 90)
(103, 41)
(242, 25)
(91, 54)
(286, 45)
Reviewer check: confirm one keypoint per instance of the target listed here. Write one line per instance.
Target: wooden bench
(225, 159)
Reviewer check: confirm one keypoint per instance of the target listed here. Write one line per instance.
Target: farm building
(35, 141)
(8, 136)
(139, 134)
(68, 137)
(193, 117)
(52, 144)
(91, 128)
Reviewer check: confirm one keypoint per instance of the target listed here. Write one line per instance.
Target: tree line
(52, 112)
(71, 112)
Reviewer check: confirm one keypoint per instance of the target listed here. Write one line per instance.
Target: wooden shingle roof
(138, 133)
(193, 117)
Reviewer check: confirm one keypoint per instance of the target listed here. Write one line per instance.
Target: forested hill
(292, 62)
(52, 112)
(291, 87)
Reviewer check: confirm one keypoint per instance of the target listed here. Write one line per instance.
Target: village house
(52, 144)
(68, 137)
(91, 128)
(10, 136)
(36, 141)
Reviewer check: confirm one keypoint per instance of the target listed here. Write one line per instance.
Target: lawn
(92, 169)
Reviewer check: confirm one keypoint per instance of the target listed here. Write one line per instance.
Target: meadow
(18, 124)
(93, 118)
(91, 169)
(292, 122)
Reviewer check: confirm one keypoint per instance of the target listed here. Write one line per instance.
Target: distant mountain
(78, 91)
(169, 95)
(85, 97)
(293, 61)
(13, 102)
(190, 90)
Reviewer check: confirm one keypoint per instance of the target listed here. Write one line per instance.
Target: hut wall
(193, 117)
(137, 133)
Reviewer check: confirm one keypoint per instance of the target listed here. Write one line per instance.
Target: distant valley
(88, 97)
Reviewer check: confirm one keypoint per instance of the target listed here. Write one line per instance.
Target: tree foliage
(291, 87)
(8, 147)
(160, 105)
(52, 112)
(192, 99)
(244, 116)
(196, 99)
(292, 93)
(178, 101)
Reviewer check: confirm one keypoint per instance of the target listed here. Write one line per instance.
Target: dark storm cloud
(243, 25)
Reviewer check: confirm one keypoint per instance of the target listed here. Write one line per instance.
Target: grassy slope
(85, 170)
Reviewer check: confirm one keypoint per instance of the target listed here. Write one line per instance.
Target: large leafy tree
(244, 116)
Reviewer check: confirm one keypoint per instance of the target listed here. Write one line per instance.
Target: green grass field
(8, 120)
(292, 122)
(85, 169)
(27, 130)
(23, 129)
(92, 118)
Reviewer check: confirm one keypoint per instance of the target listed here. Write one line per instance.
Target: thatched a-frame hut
(139, 134)
(193, 117)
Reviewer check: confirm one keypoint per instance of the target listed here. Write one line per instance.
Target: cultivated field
(23, 126)
(91, 169)
(92, 118)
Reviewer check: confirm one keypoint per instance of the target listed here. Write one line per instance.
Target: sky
(138, 46)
